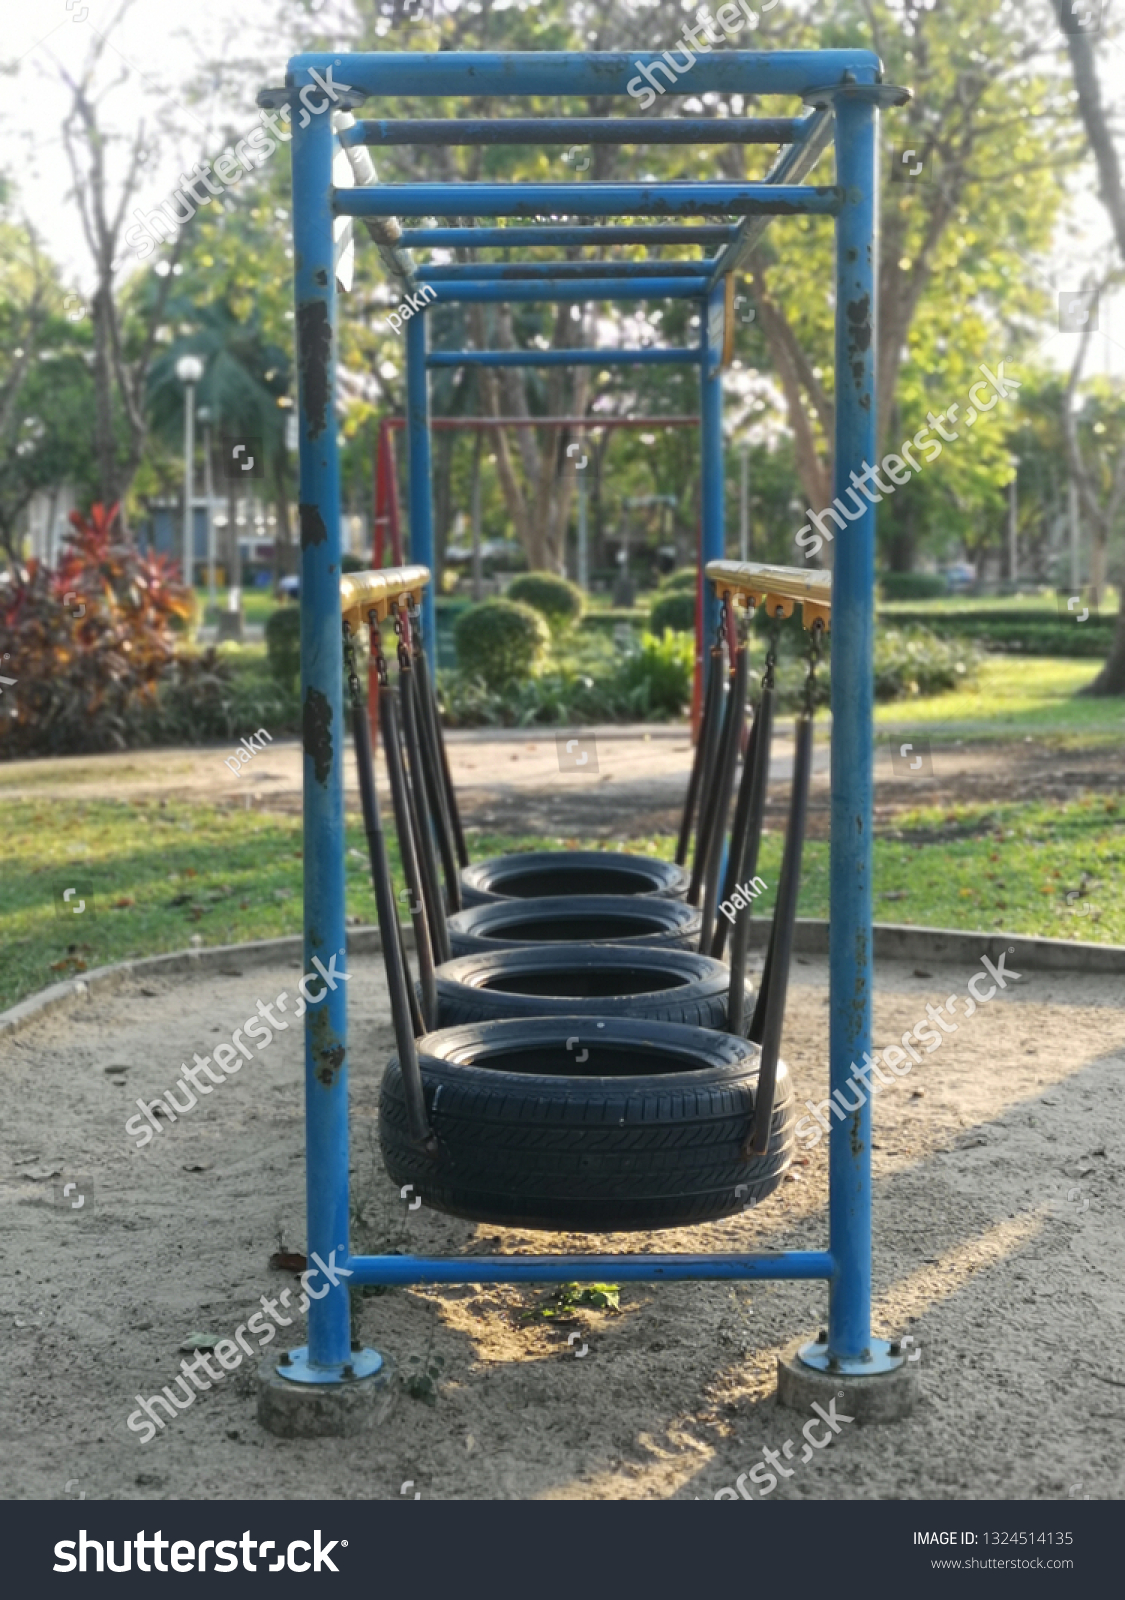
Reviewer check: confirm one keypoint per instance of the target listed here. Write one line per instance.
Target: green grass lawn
(154, 876)
(1012, 697)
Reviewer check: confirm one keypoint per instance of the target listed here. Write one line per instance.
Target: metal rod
(431, 884)
(411, 867)
(559, 235)
(420, 471)
(791, 166)
(434, 791)
(745, 845)
(724, 782)
(558, 73)
(576, 289)
(593, 420)
(676, 198)
(576, 130)
(517, 271)
(698, 762)
(709, 737)
(671, 356)
(429, 701)
(850, 865)
(792, 1264)
(769, 1013)
(394, 963)
(326, 1066)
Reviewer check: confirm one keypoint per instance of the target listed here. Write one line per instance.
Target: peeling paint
(313, 530)
(316, 734)
(859, 322)
(314, 351)
(321, 277)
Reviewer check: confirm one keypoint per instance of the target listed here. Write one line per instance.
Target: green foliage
(218, 695)
(684, 578)
(501, 642)
(1026, 632)
(654, 679)
(350, 563)
(646, 680)
(914, 661)
(559, 600)
(569, 1297)
(912, 585)
(675, 612)
(283, 643)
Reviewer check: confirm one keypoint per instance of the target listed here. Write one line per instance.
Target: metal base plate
(816, 1355)
(360, 1364)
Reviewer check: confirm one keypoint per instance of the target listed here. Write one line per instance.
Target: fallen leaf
(288, 1261)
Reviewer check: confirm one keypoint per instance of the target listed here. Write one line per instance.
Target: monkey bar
(845, 89)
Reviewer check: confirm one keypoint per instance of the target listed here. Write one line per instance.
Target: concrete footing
(317, 1411)
(882, 1397)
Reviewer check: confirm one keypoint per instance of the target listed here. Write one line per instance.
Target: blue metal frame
(846, 109)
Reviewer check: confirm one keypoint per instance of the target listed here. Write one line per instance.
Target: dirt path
(526, 781)
(998, 1173)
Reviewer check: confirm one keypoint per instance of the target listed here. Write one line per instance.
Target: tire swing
(585, 979)
(539, 874)
(576, 1121)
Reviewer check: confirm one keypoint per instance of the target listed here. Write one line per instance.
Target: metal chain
(771, 652)
(402, 629)
(349, 665)
(816, 634)
(377, 655)
(414, 617)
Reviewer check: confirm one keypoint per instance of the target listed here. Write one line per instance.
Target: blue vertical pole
(325, 1020)
(711, 450)
(420, 492)
(849, 1191)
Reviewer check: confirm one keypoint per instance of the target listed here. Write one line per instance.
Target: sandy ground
(632, 783)
(998, 1171)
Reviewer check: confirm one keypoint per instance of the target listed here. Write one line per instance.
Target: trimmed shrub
(557, 599)
(913, 661)
(283, 643)
(350, 563)
(912, 585)
(501, 642)
(684, 578)
(673, 613)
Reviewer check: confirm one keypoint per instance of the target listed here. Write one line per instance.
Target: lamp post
(209, 495)
(189, 370)
(1013, 572)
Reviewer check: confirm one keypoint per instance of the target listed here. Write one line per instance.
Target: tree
(121, 362)
(1111, 679)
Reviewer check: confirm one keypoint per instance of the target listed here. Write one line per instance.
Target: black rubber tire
(589, 980)
(543, 1141)
(534, 874)
(575, 919)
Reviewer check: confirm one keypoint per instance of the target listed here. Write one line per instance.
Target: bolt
(896, 1347)
(833, 1363)
(822, 1336)
(357, 1344)
(284, 1360)
(349, 1370)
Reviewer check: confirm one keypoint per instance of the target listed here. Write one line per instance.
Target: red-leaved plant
(87, 643)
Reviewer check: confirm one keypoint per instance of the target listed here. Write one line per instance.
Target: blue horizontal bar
(553, 289)
(575, 130)
(583, 72)
(793, 1264)
(586, 199)
(593, 234)
(511, 272)
(668, 356)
